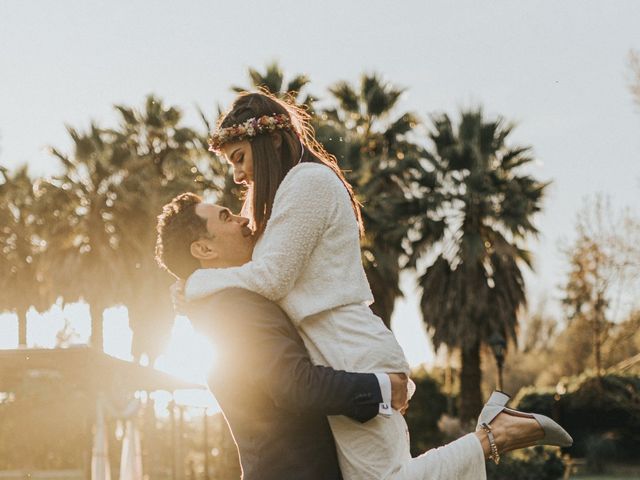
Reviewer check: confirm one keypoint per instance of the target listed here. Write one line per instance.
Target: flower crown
(250, 128)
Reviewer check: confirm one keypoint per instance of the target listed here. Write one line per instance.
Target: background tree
(165, 158)
(273, 81)
(85, 259)
(604, 268)
(373, 147)
(475, 286)
(624, 345)
(634, 85)
(103, 214)
(532, 358)
(23, 283)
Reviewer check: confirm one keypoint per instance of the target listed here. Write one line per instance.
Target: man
(274, 399)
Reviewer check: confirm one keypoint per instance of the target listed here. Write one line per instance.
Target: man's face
(240, 157)
(231, 242)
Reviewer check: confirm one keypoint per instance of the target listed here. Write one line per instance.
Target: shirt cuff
(385, 390)
(411, 389)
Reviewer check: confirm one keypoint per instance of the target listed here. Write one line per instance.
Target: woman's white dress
(308, 261)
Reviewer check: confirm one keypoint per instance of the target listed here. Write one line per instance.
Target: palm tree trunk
(96, 339)
(385, 292)
(22, 326)
(598, 334)
(596, 348)
(383, 308)
(470, 378)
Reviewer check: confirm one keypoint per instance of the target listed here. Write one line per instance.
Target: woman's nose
(238, 176)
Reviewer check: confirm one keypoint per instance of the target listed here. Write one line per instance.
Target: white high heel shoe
(554, 434)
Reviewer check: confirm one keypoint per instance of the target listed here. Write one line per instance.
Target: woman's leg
(462, 459)
(379, 450)
(374, 450)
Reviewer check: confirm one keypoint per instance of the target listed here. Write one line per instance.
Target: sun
(188, 356)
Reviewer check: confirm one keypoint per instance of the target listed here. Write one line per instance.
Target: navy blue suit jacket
(272, 396)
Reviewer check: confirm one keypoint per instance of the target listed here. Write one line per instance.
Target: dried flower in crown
(250, 128)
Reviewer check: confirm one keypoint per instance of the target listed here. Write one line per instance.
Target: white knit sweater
(308, 258)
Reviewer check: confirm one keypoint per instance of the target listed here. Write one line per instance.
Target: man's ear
(202, 250)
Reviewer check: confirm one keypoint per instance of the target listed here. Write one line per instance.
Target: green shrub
(531, 464)
(599, 453)
(607, 408)
(426, 407)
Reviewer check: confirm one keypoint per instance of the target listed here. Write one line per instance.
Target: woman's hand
(177, 297)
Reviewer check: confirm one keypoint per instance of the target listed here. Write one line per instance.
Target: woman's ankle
(484, 442)
(502, 432)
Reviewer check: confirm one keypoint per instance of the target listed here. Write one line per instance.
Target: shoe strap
(494, 454)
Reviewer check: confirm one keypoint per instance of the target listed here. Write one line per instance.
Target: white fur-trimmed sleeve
(302, 208)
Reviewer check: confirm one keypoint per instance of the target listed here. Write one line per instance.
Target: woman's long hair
(270, 166)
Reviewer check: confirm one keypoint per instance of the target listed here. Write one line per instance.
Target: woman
(307, 258)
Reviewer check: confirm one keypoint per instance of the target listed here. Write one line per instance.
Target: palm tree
(84, 258)
(272, 80)
(102, 233)
(372, 145)
(22, 283)
(474, 288)
(164, 159)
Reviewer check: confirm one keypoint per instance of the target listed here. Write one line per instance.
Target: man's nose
(243, 221)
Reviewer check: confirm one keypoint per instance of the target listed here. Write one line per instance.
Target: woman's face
(240, 157)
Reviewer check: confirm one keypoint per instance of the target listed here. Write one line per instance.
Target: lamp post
(498, 346)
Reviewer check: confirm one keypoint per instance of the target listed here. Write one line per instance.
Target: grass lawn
(626, 474)
(607, 477)
(614, 472)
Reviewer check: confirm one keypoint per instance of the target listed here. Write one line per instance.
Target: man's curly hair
(178, 227)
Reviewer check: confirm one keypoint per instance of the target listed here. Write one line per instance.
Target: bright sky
(559, 69)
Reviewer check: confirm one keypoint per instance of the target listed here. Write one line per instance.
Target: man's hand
(177, 297)
(399, 394)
